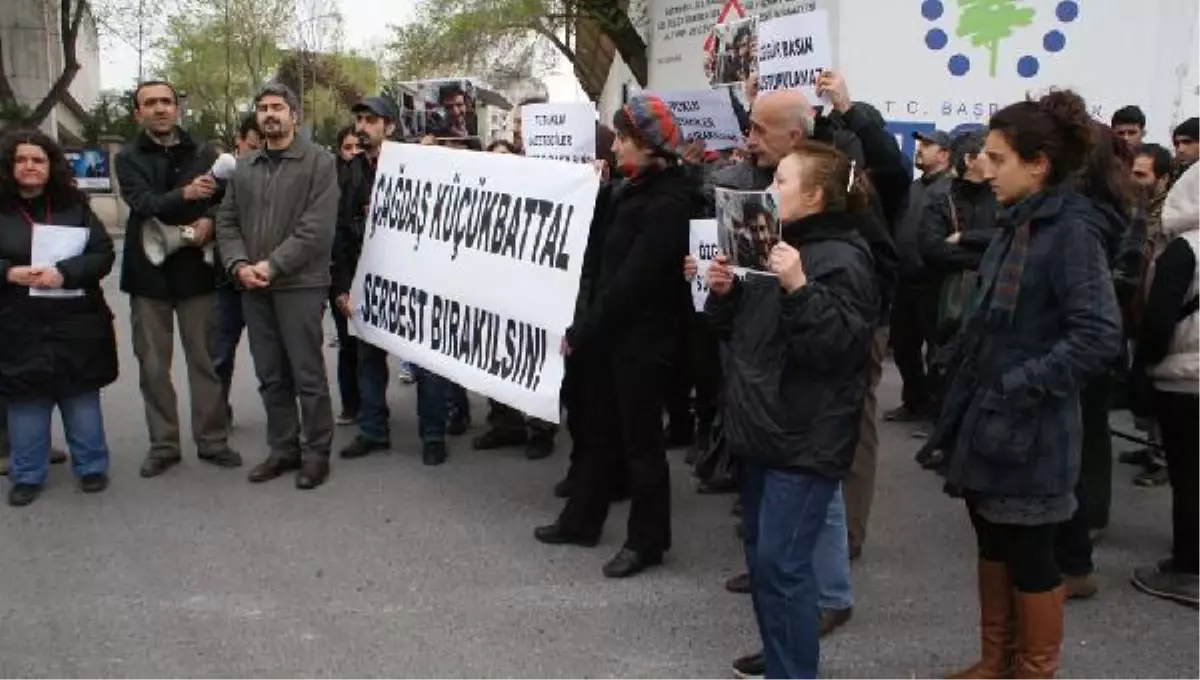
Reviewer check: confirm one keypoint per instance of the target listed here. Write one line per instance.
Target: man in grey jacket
(275, 234)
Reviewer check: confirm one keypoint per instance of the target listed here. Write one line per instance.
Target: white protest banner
(792, 52)
(704, 247)
(470, 267)
(565, 132)
(706, 115)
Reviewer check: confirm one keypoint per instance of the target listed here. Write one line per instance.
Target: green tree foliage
(110, 117)
(988, 22)
(217, 53)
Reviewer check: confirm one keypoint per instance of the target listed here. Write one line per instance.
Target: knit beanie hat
(1188, 129)
(652, 122)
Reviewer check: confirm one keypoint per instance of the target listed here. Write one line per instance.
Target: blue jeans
(831, 559)
(784, 515)
(29, 437)
(230, 323)
(432, 398)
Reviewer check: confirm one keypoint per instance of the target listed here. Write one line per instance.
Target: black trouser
(1027, 551)
(1096, 457)
(698, 366)
(1176, 414)
(504, 418)
(620, 406)
(347, 368)
(913, 331)
(1072, 541)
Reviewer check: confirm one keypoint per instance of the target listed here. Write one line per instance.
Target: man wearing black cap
(914, 309)
(375, 123)
(1186, 138)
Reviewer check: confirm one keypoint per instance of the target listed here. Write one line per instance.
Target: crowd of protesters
(1039, 269)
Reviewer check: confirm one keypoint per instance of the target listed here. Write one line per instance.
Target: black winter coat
(975, 207)
(356, 179)
(55, 347)
(152, 178)
(632, 284)
(797, 366)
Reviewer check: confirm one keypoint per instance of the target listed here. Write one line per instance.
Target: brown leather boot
(997, 624)
(1039, 633)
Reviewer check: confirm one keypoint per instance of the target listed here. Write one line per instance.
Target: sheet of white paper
(53, 244)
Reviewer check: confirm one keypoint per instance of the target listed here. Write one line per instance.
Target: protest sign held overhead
(793, 50)
(565, 132)
(704, 246)
(747, 228)
(470, 267)
(444, 108)
(732, 59)
(705, 115)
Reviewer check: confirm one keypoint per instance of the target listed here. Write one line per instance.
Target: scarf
(1005, 289)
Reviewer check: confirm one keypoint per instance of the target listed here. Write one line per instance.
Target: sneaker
(1163, 581)
(347, 417)
(1152, 478)
(750, 666)
(405, 375)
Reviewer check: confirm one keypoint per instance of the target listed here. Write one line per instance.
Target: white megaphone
(160, 240)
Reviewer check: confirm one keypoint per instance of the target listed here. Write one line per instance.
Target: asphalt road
(393, 569)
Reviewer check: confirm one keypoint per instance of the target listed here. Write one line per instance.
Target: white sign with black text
(470, 267)
(565, 132)
(704, 247)
(705, 115)
(793, 50)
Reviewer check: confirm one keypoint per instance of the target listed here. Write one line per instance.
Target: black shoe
(739, 584)
(1152, 477)
(930, 458)
(1139, 457)
(541, 445)
(154, 466)
(458, 424)
(1163, 580)
(717, 486)
(21, 495)
(58, 456)
(553, 534)
(226, 458)
(905, 414)
(563, 488)
(630, 562)
(312, 474)
(499, 439)
(272, 468)
(750, 666)
(832, 619)
(433, 453)
(93, 483)
(347, 417)
(361, 447)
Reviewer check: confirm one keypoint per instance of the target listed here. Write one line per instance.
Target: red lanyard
(29, 218)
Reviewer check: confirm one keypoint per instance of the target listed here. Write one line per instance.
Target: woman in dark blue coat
(1046, 320)
(59, 346)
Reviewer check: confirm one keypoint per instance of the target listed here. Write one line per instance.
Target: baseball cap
(376, 105)
(937, 137)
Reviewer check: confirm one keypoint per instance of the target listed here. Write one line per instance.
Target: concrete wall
(33, 58)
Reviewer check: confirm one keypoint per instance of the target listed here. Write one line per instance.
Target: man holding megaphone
(169, 181)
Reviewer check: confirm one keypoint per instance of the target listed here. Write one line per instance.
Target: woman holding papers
(59, 347)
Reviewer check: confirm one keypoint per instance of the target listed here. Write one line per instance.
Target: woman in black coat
(624, 342)
(59, 348)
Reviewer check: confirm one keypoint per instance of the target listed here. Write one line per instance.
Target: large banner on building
(470, 267)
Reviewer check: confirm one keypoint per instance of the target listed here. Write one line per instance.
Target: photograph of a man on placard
(448, 110)
(735, 52)
(747, 227)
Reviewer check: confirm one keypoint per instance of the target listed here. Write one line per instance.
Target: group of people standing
(1022, 224)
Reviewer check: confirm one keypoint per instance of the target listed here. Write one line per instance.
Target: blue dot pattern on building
(936, 39)
(1028, 65)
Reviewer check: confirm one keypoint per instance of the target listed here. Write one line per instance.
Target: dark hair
(450, 90)
(344, 132)
(249, 124)
(1057, 126)
(137, 91)
(753, 210)
(60, 188)
(501, 143)
(830, 170)
(1161, 157)
(1106, 178)
(278, 90)
(1129, 115)
(604, 143)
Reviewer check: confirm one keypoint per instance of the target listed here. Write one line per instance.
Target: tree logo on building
(987, 24)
